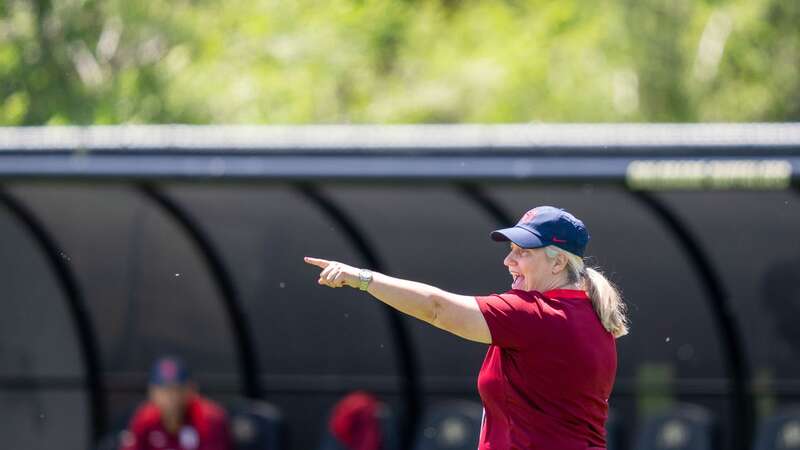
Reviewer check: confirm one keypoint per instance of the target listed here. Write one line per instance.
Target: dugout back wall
(121, 256)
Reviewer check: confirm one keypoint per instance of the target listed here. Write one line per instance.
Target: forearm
(419, 300)
(458, 314)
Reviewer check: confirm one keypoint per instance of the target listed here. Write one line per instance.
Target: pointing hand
(334, 274)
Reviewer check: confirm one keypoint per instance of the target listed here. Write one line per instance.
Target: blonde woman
(551, 363)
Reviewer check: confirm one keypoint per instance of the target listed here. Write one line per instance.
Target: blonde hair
(606, 297)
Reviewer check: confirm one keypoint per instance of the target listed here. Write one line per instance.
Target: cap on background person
(169, 370)
(547, 225)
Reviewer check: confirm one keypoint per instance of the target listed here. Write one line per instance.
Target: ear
(559, 263)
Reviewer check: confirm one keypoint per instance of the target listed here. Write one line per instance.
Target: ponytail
(606, 298)
(607, 302)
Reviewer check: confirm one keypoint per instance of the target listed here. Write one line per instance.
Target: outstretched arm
(458, 314)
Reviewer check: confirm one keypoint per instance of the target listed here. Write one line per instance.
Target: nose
(509, 260)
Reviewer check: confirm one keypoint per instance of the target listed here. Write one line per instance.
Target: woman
(552, 359)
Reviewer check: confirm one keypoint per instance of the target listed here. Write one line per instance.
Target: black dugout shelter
(123, 243)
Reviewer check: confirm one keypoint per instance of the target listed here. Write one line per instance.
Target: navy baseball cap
(547, 225)
(169, 370)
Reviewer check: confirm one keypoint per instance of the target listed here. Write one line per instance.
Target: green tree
(398, 61)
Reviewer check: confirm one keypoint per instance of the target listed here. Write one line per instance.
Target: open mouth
(518, 281)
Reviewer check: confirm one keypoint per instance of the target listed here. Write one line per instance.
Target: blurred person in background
(176, 416)
(552, 360)
(357, 422)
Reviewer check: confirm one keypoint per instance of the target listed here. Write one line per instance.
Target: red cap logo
(169, 370)
(528, 217)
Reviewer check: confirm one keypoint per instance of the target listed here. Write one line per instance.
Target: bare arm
(458, 314)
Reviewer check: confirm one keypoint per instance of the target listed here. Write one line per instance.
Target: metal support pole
(76, 305)
(245, 347)
(405, 355)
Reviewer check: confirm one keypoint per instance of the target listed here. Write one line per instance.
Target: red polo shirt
(548, 374)
(205, 428)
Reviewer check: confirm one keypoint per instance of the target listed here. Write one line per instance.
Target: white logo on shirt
(157, 439)
(188, 438)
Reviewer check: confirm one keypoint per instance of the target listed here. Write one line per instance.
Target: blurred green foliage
(401, 61)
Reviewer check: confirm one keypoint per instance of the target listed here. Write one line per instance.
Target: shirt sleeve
(133, 437)
(226, 437)
(512, 321)
(219, 434)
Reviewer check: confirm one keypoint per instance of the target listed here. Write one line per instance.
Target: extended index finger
(323, 263)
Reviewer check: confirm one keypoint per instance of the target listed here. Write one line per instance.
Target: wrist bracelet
(364, 279)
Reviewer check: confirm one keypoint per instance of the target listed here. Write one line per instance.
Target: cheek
(527, 267)
(532, 267)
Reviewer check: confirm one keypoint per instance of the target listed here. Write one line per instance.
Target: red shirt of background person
(176, 417)
(551, 363)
